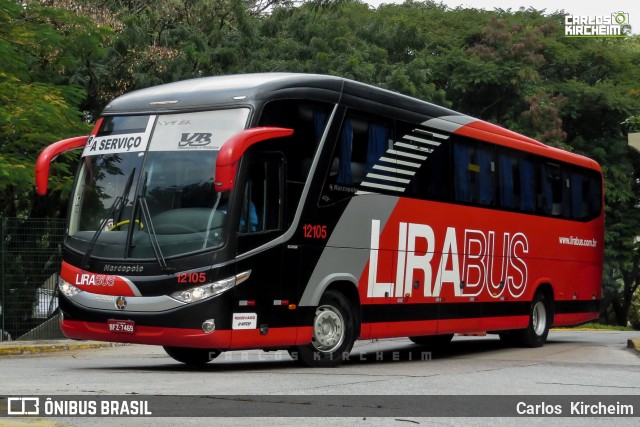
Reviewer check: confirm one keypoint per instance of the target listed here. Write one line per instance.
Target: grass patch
(600, 326)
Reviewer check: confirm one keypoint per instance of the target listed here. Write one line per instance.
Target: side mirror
(232, 150)
(43, 163)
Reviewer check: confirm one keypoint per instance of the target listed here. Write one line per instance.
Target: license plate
(122, 326)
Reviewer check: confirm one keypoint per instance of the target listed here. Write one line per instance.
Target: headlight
(67, 288)
(211, 289)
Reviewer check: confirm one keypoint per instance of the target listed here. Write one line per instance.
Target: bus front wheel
(192, 356)
(334, 332)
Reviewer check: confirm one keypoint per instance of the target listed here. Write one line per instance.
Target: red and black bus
(303, 212)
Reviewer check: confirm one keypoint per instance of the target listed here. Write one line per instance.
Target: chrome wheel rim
(328, 329)
(539, 320)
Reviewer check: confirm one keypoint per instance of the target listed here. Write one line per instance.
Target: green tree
(43, 83)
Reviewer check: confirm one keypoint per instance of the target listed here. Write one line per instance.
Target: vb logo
(195, 139)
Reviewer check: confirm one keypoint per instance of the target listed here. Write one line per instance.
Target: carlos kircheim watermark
(394, 405)
(614, 25)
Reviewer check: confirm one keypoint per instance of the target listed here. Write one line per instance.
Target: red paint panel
(498, 323)
(491, 133)
(152, 335)
(305, 333)
(251, 338)
(196, 338)
(104, 284)
(452, 326)
(480, 256)
(570, 319)
(489, 247)
(399, 329)
(486, 127)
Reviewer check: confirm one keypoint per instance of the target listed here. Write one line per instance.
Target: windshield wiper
(120, 200)
(153, 237)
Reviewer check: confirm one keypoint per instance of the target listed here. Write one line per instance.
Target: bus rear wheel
(334, 332)
(192, 356)
(540, 319)
(432, 341)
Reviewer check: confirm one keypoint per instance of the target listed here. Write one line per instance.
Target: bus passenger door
(260, 209)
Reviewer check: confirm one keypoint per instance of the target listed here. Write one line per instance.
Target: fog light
(209, 326)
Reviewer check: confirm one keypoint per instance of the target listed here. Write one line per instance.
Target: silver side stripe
(433, 134)
(405, 154)
(449, 123)
(382, 186)
(406, 149)
(400, 162)
(414, 147)
(387, 178)
(394, 170)
(421, 140)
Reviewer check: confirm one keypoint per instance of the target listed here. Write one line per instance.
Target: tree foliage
(63, 60)
(43, 85)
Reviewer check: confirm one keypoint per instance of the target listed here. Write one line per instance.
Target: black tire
(432, 341)
(192, 356)
(540, 320)
(334, 332)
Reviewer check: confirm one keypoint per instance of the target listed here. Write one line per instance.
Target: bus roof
(246, 89)
(243, 89)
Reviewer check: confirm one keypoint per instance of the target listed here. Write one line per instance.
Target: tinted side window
(360, 158)
(262, 199)
(474, 173)
(526, 166)
(586, 194)
(516, 181)
(553, 196)
(308, 121)
(507, 185)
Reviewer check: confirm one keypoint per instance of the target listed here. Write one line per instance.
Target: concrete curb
(16, 348)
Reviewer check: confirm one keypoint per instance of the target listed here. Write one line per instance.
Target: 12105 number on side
(311, 231)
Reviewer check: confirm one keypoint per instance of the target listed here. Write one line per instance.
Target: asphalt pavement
(16, 348)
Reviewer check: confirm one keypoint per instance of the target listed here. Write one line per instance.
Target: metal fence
(30, 256)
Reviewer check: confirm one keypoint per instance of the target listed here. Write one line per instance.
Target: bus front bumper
(208, 324)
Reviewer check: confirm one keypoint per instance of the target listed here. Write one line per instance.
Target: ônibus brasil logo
(615, 25)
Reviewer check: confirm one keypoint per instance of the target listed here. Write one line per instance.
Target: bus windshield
(147, 181)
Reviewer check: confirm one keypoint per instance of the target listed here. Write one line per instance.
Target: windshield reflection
(170, 173)
(183, 205)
